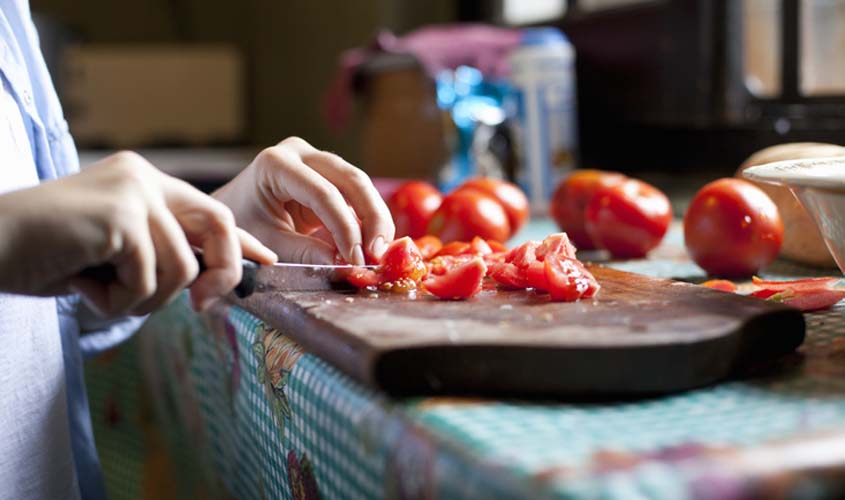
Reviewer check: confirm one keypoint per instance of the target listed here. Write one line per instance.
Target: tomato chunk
(459, 283)
(361, 277)
(402, 260)
(508, 276)
(804, 284)
(722, 285)
(428, 245)
(555, 244)
(568, 280)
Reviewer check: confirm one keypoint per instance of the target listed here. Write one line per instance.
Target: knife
(278, 277)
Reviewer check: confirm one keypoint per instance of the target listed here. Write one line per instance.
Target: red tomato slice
(523, 255)
(402, 261)
(557, 244)
(804, 284)
(497, 246)
(429, 245)
(508, 276)
(494, 257)
(454, 248)
(445, 263)
(535, 274)
(459, 283)
(763, 294)
(568, 280)
(815, 300)
(480, 247)
(722, 285)
(361, 277)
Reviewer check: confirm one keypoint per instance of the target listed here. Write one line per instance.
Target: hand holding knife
(278, 277)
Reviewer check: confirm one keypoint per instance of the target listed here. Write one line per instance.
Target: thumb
(293, 247)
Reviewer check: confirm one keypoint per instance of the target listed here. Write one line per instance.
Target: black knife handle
(107, 273)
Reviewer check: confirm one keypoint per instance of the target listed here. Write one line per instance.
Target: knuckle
(185, 270)
(294, 141)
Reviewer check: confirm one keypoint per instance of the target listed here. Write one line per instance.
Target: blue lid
(543, 36)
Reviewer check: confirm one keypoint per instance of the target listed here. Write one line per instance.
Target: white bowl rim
(821, 173)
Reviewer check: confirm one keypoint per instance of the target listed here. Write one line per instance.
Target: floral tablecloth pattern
(249, 415)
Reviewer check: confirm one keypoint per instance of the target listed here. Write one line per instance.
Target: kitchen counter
(257, 417)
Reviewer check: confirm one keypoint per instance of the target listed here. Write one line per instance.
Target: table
(253, 416)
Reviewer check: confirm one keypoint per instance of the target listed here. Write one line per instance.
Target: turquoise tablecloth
(256, 417)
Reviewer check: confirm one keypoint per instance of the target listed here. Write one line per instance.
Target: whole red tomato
(467, 213)
(412, 206)
(628, 218)
(569, 202)
(732, 228)
(511, 197)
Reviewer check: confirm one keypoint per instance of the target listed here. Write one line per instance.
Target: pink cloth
(437, 48)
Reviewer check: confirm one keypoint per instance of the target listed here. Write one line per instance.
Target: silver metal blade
(285, 277)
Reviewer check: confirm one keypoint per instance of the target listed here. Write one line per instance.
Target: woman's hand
(124, 212)
(304, 203)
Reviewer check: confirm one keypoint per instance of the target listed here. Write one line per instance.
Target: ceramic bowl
(819, 184)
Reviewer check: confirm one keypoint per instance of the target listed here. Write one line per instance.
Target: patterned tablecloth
(250, 415)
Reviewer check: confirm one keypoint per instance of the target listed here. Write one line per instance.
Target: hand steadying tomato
(402, 268)
(732, 228)
(569, 202)
(509, 195)
(467, 213)
(628, 218)
(412, 206)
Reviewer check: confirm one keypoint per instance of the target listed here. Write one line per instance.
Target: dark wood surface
(639, 336)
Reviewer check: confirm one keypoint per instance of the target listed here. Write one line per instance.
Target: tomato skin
(509, 195)
(428, 245)
(569, 203)
(454, 248)
(496, 246)
(412, 205)
(402, 261)
(628, 218)
(508, 276)
(459, 283)
(467, 213)
(721, 285)
(732, 228)
(361, 277)
(568, 280)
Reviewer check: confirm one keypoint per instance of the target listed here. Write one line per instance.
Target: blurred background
(662, 85)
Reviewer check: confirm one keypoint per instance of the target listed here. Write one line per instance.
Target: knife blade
(257, 278)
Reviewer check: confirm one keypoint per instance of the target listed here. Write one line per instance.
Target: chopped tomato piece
(454, 248)
(402, 261)
(814, 300)
(723, 285)
(494, 257)
(535, 274)
(557, 244)
(361, 277)
(497, 246)
(765, 293)
(523, 255)
(428, 245)
(445, 263)
(480, 247)
(508, 276)
(568, 280)
(803, 284)
(459, 283)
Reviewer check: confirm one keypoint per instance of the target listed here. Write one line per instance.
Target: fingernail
(358, 255)
(378, 247)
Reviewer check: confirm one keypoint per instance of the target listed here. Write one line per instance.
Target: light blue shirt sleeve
(55, 155)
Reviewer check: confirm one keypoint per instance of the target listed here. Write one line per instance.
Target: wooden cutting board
(640, 335)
